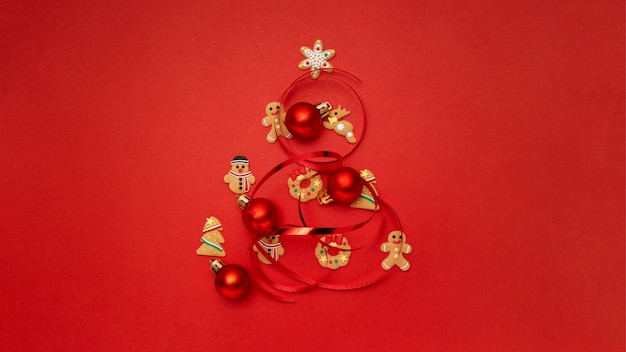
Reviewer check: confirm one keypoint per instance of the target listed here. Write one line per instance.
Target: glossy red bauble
(303, 120)
(345, 185)
(260, 216)
(232, 282)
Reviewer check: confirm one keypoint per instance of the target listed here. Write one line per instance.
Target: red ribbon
(309, 283)
(322, 162)
(332, 234)
(305, 160)
(285, 144)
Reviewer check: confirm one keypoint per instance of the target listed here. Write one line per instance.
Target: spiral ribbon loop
(322, 162)
(305, 231)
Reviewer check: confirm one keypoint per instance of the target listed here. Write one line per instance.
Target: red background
(495, 129)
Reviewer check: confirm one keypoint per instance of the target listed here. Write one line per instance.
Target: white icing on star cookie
(316, 59)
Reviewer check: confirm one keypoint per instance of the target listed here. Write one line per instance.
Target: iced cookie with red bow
(239, 177)
(396, 246)
(270, 245)
(333, 251)
(304, 184)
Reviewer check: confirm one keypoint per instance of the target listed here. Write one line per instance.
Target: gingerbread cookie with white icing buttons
(396, 246)
(275, 120)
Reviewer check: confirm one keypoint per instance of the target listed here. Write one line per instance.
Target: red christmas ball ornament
(345, 185)
(260, 216)
(303, 120)
(232, 281)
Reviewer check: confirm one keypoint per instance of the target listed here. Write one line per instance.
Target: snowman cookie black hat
(239, 159)
(238, 178)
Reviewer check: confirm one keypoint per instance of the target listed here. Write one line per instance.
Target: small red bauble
(232, 282)
(345, 185)
(260, 216)
(303, 120)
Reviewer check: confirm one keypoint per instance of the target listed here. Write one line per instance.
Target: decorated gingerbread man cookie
(275, 120)
(396, 245)
(334, 121)
(212, 239)
(239, 177)
(333, 251)
(272, 246)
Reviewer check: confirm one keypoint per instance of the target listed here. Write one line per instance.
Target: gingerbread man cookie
(341, 127)
(272, 246)
(275, 119)
(333, 251)
(239, 177)
(211, 239)
(396, 245)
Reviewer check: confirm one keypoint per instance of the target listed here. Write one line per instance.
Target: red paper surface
(495, 130)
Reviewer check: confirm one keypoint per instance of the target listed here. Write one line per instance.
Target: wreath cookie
(304, 184)
(333, 251)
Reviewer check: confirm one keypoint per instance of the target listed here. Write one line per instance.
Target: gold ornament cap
(216, 265)
(243, 200)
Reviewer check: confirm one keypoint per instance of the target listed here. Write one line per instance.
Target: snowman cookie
(211, 239)
(275, 120)
(239, 177)
(270, 245)
(396, 246)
